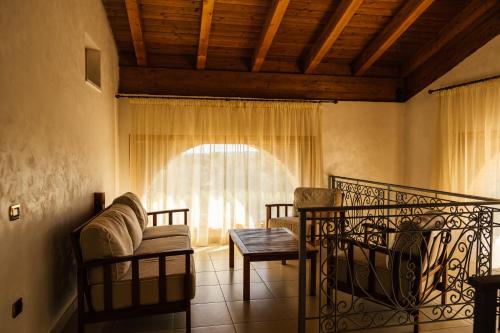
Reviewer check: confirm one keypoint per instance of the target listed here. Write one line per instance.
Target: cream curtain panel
(470, 139)
(223, 159)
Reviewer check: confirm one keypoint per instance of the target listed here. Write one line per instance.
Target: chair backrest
(305, 197)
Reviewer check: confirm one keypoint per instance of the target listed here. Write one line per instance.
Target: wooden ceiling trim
(134, 19)
(389, 35)
(463, 45)
(269, 30)
(207, 12)
(334, 28)
(163, 81)
(472, 12)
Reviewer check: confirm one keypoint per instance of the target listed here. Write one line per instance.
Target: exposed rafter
(466, 43)
(134, 20)
(184, 82)
(207, 12)
(410, 12)
(334, 28)
(474, 11)
(268, 32)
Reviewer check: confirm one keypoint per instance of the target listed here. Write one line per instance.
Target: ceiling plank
(134, 20)
(269, 30)
(472, 12)
(406, 16)
(182, 82)
(334, 28)
(207, 12)
(463, 45)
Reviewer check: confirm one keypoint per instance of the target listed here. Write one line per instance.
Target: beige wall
(57, 148)
(421, 115)
(360, 139)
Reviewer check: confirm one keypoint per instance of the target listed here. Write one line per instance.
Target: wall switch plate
(17, 307)
(14, 212)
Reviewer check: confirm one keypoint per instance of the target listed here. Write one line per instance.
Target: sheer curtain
(470, 143)
(223, 159)
(470, 139)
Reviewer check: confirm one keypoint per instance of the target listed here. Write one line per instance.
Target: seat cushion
(104, 237)
(156, 245)
(148, 281)
(131, 200)
(305, 197)
(130, 219)
(166, 231)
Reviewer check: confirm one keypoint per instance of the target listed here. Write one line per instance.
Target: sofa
(304, 197)
(127, 266)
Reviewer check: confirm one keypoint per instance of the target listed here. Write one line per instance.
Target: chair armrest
(269, 210)
(116, 260)
(170, 213)
(383, 231)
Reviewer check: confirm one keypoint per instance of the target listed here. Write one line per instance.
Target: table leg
(485, 310)
(246, 278)
(312, 285)
(231, 252)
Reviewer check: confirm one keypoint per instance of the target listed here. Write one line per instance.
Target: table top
(267, 241)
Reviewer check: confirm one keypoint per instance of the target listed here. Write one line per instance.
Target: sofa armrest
(170, 213)
(269, 210)
(106, 264)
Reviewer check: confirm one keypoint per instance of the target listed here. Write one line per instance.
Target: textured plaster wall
(363, 140)
(57, 142)
(421, 115)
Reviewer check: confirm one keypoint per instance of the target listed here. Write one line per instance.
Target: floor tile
(234, 292)
(208, 294)
(203, 266)
(230, 277)
(149, 324)
(267, 326)
(263, 310)
(283, 273)
(206, 279)
(210, 314)
(210, 329)
(281, 289)
(223, 264)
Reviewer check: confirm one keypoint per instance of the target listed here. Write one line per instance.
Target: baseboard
(65, 316)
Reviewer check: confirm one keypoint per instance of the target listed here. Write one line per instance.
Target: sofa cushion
(305, 197)
(156, 245)
(166, 231)
(104, 237)
(131, 200)
(130, 219)
(148, 280)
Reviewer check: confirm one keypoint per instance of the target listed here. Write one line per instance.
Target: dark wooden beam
(162, 81)
(269, 30)
(463, 45)
(207, 12)
(339, 20)
(406, 16)
(470, 14)
(134, 20)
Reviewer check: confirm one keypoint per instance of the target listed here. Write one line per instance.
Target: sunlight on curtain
(470, 143)
(224, 160)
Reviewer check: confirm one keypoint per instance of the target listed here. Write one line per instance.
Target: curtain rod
(464, 84)
(334, 101)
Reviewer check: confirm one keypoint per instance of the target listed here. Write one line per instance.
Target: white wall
(57, 148)
(421, 114)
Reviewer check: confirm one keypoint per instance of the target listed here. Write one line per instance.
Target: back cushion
(131, 200)
(130, 219)
(104, 237)
(305, 197)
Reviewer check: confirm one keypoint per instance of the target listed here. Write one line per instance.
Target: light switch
(14, 212)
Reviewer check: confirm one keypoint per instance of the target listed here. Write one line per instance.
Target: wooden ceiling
(380, 50)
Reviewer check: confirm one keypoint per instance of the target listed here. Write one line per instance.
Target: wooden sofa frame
(136, 309)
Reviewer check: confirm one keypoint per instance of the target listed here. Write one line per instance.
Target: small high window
(93, 67)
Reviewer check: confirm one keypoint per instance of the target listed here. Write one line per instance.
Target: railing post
(302, 272)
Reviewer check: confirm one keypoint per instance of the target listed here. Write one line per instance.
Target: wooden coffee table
(267, 245)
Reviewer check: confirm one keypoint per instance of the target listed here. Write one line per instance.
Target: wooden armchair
(398, 273)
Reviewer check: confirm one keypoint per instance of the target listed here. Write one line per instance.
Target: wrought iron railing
(396, 255)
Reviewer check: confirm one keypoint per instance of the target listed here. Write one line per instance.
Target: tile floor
(218, 305)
